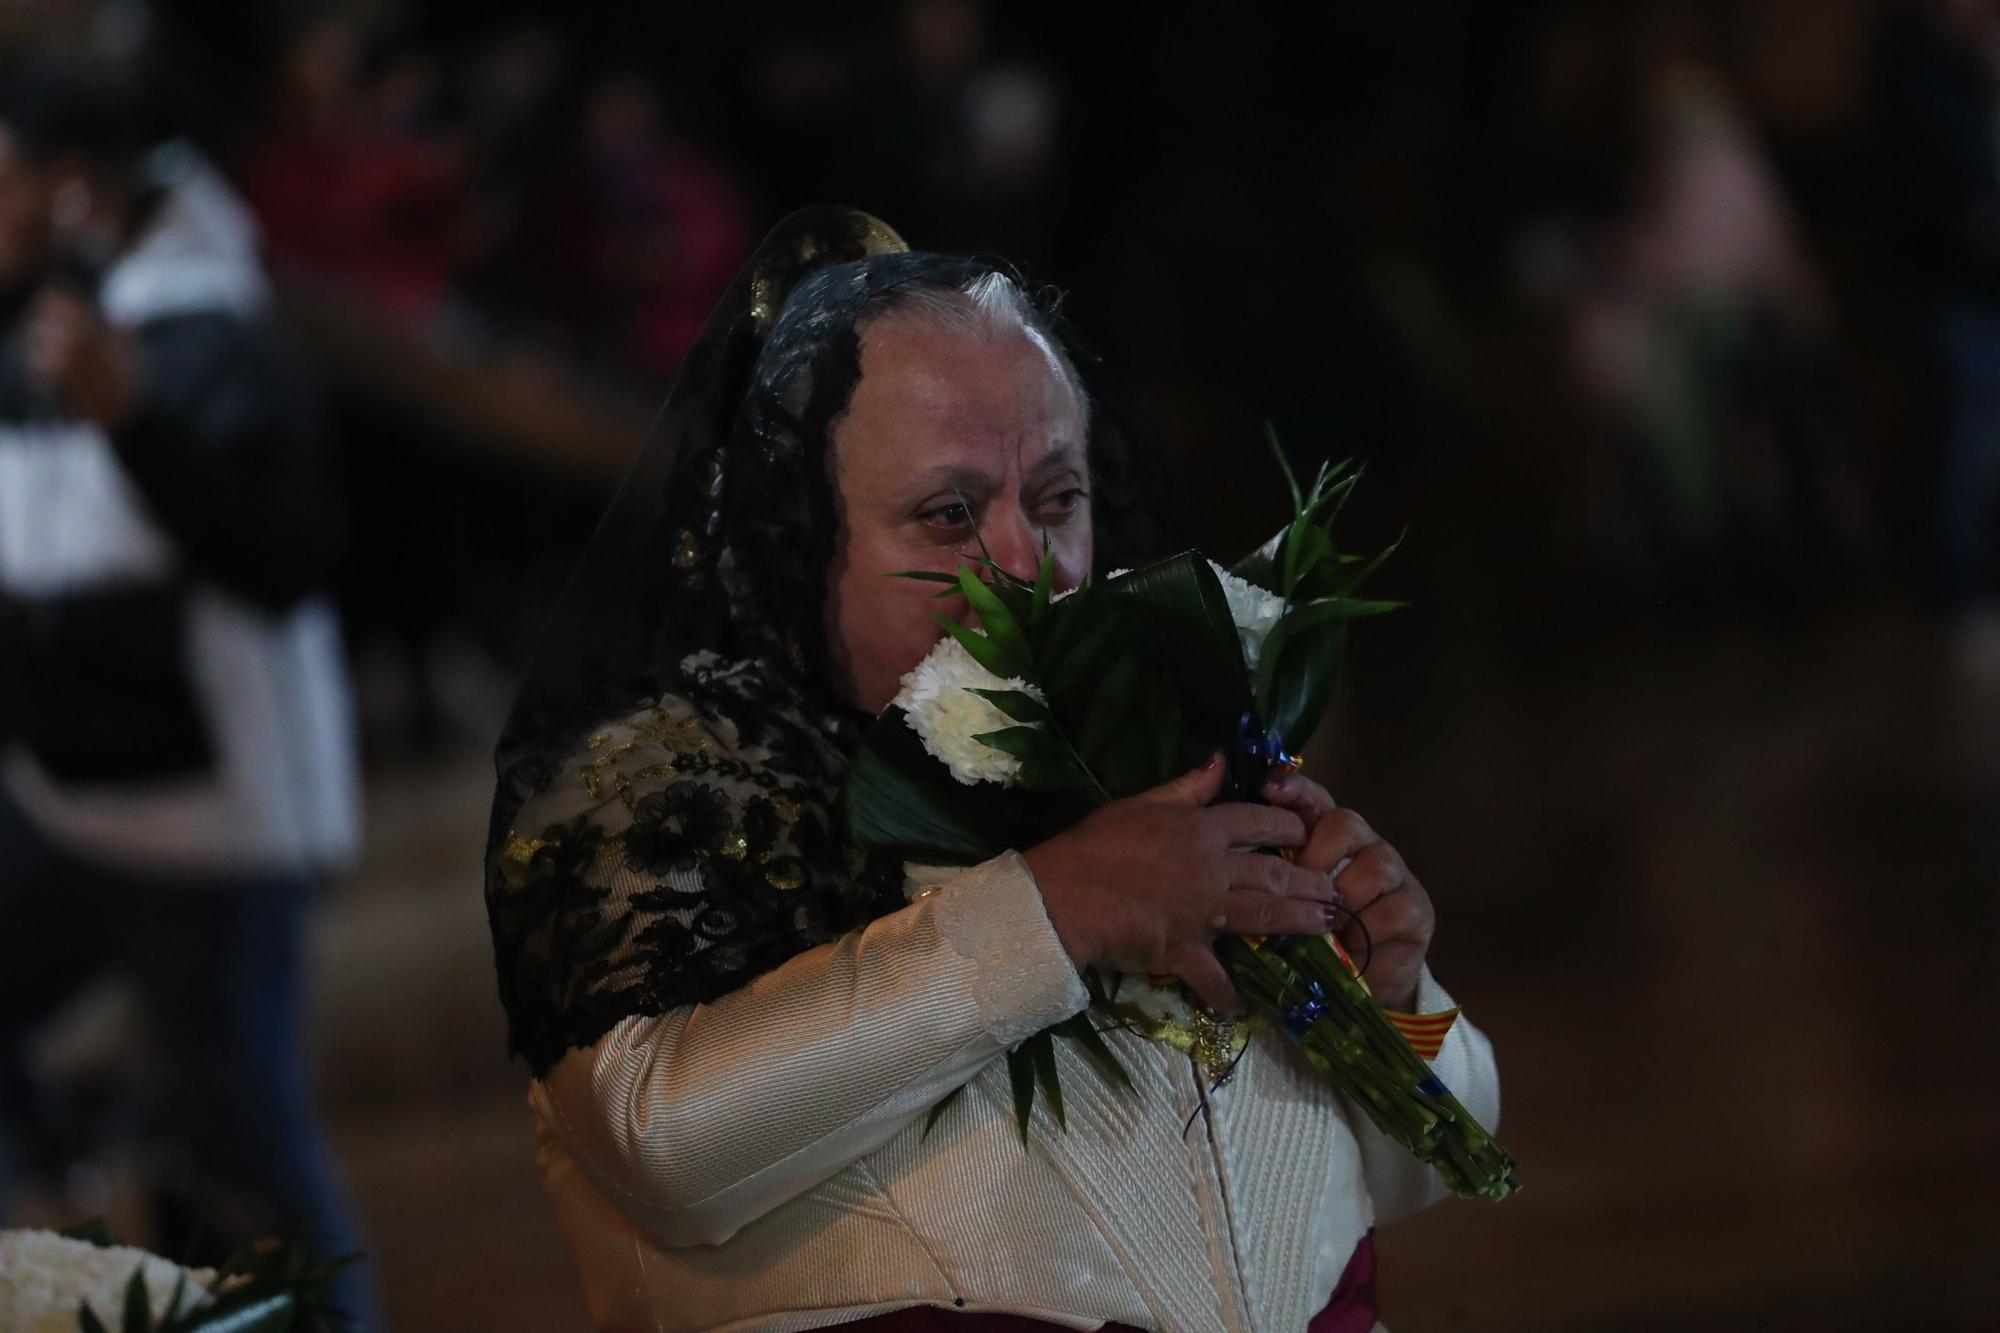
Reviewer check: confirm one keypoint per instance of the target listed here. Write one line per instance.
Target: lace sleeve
(679, 852)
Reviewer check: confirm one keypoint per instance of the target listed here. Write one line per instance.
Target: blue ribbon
(1258, 753)
(1433, 1086)
(1306, 1012)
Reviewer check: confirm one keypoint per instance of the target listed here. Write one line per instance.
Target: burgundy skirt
(1351, 1309)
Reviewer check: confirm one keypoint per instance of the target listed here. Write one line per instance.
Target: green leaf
(1053, 772)
(1018, 704)
(1045, 580)
(1284, 465)
(1021, 742)
(1081, 655)
(175, 1297)
(1336, 495)
(899, 799)
(87, 1320)
(983, 649)
(1079, 1028)
(999, 622)
(1302, 683)
(1065, 621)
(1046, 1074)
(1163, 728)
(1356, 579)
(1180, 607)
(138, 1304)
(1304, 550)
(949, 1099)
(1021, 1068)
(1325, 610)
(1110, 705)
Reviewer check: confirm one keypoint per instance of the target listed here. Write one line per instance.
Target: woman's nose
(1015, 544)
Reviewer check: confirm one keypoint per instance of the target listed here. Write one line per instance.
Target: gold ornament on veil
(850, 235)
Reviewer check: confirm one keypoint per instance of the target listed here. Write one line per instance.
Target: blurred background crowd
(1669, 331)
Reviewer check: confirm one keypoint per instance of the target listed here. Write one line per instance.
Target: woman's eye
(947, 516)
(1066, 501)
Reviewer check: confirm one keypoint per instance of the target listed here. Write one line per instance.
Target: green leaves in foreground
(1301, 657)
(270, 1287)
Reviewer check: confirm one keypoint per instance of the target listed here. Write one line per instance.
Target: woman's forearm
(701, 1120)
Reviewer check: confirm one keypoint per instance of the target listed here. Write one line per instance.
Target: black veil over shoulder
(718, 542)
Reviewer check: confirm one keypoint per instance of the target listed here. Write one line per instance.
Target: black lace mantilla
(677, 851)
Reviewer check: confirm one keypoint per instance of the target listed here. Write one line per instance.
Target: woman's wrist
(1047, 866)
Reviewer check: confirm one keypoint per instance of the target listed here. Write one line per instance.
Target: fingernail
(1208, 764)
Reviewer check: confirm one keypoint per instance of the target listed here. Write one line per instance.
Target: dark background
(1631, 309)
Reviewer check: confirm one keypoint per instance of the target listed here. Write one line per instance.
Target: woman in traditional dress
(737, 1022)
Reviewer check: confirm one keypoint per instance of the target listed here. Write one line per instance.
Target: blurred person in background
(355, 175)
(1941, 141)
(177, 775)
(1700, 333)
(640, 238)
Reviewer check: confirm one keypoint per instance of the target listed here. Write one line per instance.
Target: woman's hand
(1373, 884)
(1146, 884)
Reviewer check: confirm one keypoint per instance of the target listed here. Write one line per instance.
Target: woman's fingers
(1396, 917)
(1337, 836)
(1194, 788)
(1376, 870)
(1256, 826)
(1197, 966)
(1278, 877)
(1296, 792)
(1250, 912)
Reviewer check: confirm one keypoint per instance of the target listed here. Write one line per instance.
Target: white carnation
(937, 696)
(1253, 609)
(44, 1277)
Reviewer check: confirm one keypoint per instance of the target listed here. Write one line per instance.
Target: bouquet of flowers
(1060, 703)
(80, 1281)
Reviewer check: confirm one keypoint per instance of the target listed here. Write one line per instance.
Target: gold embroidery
(687, 551)
(593, 774)
(784, 876)
(1205, 1037)
(684, 736)
(736, 846)
(517, 857)
(769, 286)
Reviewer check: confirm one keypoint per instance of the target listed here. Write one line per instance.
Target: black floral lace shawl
(664, 826)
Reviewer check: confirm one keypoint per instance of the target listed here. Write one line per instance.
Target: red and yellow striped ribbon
(1424, 1032)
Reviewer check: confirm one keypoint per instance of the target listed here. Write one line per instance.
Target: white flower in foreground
(946, 715)
(44, 1277)
(1253, 609)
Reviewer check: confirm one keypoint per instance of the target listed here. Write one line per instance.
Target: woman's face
(947, 430)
